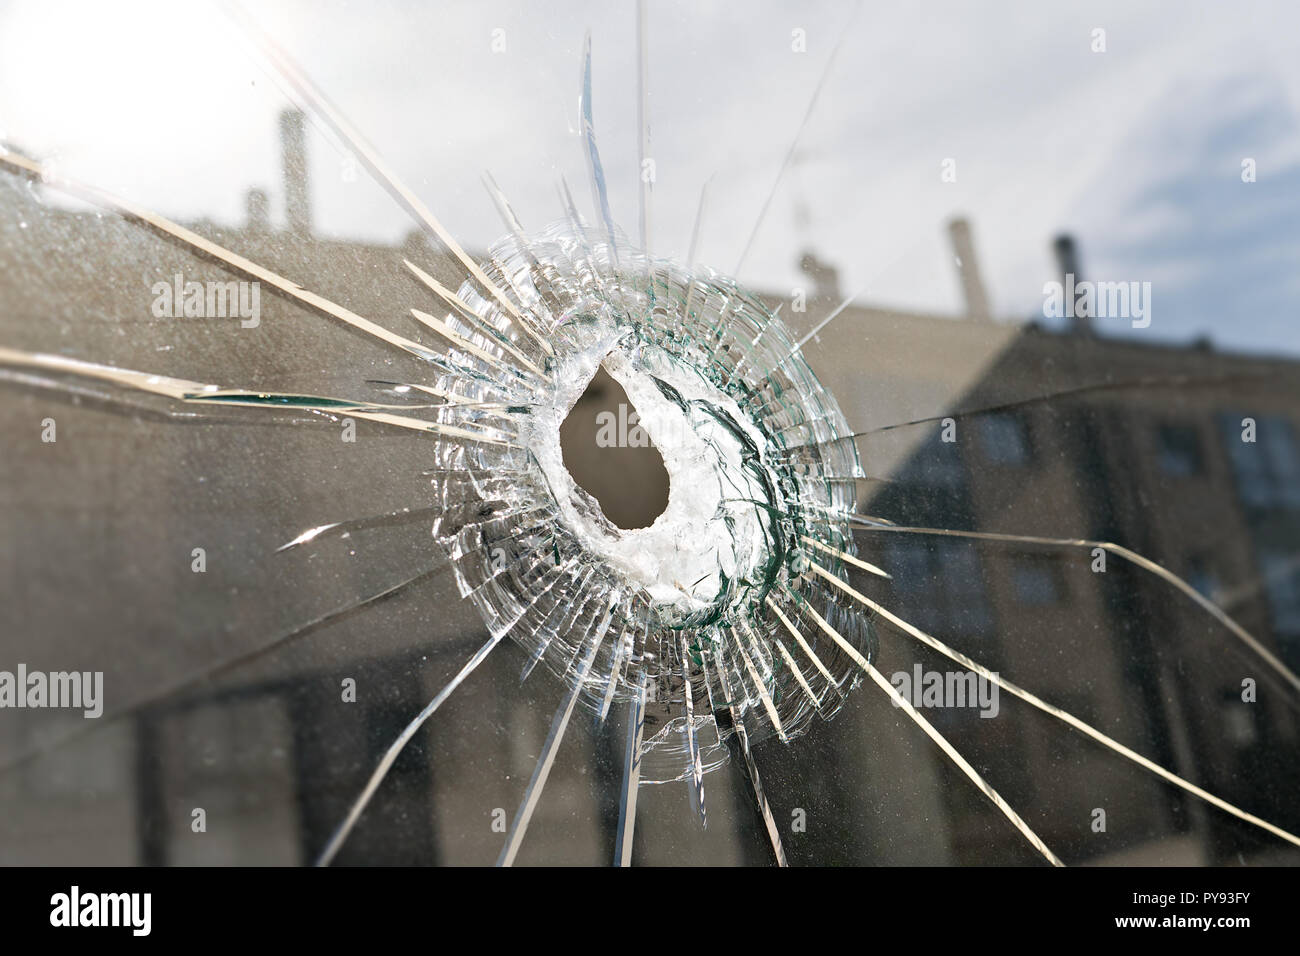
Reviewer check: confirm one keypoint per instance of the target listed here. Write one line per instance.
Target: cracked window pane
(579, 438)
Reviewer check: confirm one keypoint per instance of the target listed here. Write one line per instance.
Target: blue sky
(1136, 150)
(1226, 253)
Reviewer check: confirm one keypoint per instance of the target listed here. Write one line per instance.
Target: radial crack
(1054, 711)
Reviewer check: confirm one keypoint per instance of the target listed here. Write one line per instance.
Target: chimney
(968, 271)
(825, 277)
(293, 145)
(257, 206)
(1067, 265)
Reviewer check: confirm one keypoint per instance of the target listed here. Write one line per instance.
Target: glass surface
(1045, 274)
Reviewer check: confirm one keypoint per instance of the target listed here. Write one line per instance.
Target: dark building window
(1036, 581)
(935, 464)
(1238, 721)
(1179, 452)
(1281, 572)
(942, 585)
(1201, 575)
(1004, 438)
(1267, 469)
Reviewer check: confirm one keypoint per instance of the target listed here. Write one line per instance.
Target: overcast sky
(1136, 150)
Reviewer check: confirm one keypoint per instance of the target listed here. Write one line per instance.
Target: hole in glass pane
(611, 457)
